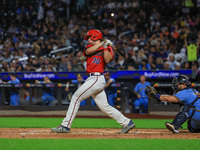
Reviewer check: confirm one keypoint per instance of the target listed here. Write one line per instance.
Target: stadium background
(41, 38)
(45, 37)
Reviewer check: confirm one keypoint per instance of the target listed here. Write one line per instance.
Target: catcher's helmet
(184, 79)
(181, 79)
(94, 34)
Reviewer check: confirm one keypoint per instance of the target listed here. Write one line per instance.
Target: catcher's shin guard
(181, 117)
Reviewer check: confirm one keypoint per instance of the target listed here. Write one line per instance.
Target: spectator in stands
(141, 55)
(151, 61)
(63, 64)
(159, 63)
(144, 65)
(4, 67)
(195, 68)
(171, 61)
(7, 56)
(19, 65)
(48, 92)
(1, 56)
(14, 92)
(186, 66)
(83, 62)
(165, 52)
(128, 61)
(177, 66)
(44, 27)
(0, 89)
(153, 51)
(28, 68)
(166, 65)
(134, 53)
(35, 64)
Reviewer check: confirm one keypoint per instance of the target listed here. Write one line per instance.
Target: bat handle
(114, 48)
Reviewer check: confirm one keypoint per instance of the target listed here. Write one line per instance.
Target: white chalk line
(34, 132)
(148, 132)
(29, 132)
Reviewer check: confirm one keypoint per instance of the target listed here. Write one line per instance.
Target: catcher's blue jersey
(187, 96)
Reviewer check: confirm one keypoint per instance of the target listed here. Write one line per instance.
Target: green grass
(79, 123)
(98, 144)
(91, 144)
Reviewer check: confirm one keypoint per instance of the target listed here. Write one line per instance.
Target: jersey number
(96, 60)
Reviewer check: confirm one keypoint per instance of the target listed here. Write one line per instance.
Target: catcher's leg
(193, 126)
(194, 122)
(180, 118)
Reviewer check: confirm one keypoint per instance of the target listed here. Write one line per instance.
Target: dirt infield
(95, 134)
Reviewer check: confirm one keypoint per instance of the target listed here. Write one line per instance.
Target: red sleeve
(87, 46)
(111, 52)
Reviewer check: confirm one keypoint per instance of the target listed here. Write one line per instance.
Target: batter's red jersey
(95, 62)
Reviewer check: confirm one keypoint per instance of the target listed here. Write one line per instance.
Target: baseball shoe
(60, 129)
(127, 128)
(171, 127)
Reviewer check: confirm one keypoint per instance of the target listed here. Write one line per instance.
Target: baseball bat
(118, 52)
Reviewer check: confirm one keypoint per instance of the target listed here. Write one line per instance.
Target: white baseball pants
(93, 86)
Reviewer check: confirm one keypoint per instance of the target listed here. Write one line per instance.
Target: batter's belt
(95, 74)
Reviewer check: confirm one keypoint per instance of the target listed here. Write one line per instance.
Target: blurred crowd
(47, 35)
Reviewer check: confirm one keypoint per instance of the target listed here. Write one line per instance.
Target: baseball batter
(98, 53)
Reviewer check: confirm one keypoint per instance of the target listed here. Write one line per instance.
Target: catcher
(186, 96)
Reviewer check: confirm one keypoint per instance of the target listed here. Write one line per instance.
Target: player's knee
(191, 129)
(76, 98)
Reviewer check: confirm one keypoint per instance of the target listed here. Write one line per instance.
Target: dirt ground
(91, 133)
(77, 133)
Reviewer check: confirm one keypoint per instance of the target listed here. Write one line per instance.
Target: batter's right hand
(108, 42)
(104, 44)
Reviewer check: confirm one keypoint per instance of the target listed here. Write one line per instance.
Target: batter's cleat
(60, 129)
(171, 127)
(127, 128)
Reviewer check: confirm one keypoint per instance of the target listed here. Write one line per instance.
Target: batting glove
(104, 44)
(108, 42)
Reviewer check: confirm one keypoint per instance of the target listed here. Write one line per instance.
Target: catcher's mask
(94, 34)
(182, 79)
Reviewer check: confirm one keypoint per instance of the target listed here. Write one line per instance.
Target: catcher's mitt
(151, 91)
